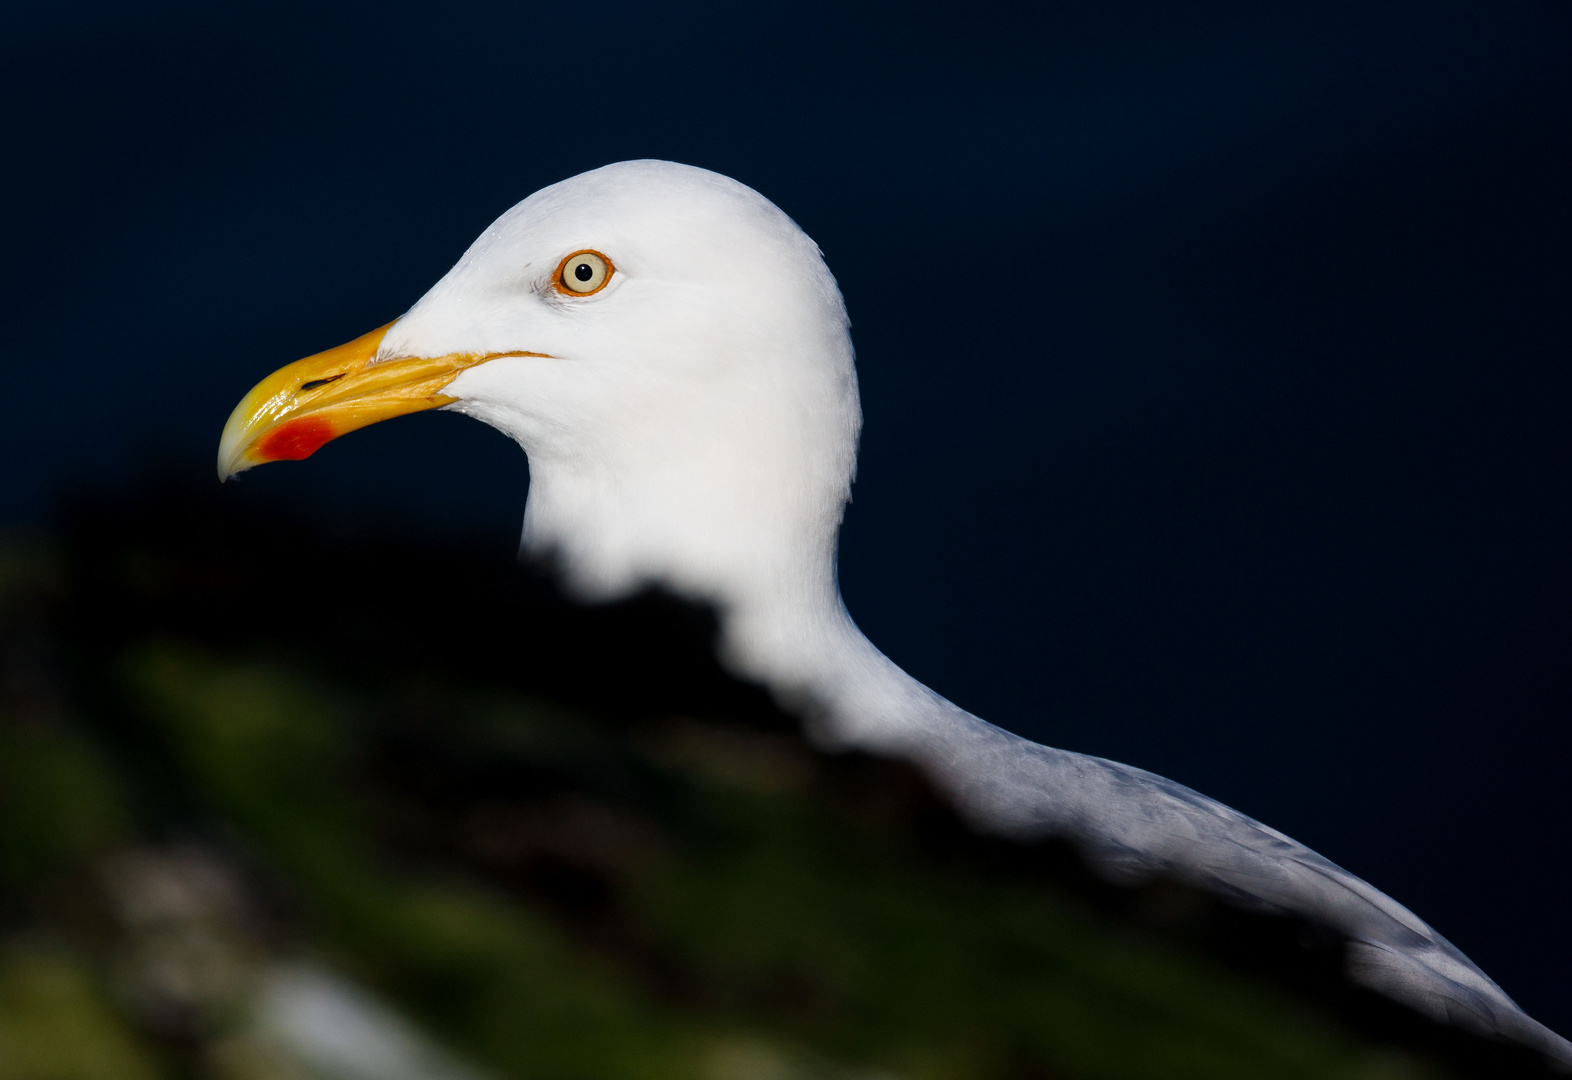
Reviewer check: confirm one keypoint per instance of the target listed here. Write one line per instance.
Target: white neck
(817, 662)
(772, 582)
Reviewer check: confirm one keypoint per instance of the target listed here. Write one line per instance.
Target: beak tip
(231, 456)
(234, 441)
(275, 423)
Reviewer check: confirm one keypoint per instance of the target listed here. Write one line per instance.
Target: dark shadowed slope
(555, 840)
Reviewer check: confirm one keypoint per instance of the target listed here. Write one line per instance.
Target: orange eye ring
(591, 272)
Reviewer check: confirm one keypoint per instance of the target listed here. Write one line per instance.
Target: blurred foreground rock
(278, 804)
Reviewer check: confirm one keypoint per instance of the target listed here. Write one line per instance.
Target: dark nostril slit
(314, 383)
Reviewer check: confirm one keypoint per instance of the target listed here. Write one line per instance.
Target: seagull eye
(582, 273)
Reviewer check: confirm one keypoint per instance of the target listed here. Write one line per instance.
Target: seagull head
(671, 352)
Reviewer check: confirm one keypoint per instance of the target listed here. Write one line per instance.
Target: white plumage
(694, 424)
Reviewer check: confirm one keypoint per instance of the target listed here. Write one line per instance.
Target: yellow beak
(291, 413)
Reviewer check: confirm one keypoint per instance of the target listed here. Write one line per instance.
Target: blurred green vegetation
(55, 1021)
(537, 888)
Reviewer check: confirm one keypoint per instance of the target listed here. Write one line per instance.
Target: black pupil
(583, 271)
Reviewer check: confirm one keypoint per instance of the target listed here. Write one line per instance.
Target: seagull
(674, 356)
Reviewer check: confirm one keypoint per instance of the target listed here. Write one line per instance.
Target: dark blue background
(1215, 360)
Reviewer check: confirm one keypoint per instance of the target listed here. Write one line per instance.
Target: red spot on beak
(295, 440)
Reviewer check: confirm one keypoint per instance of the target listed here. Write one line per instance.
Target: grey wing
(1132, 824)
